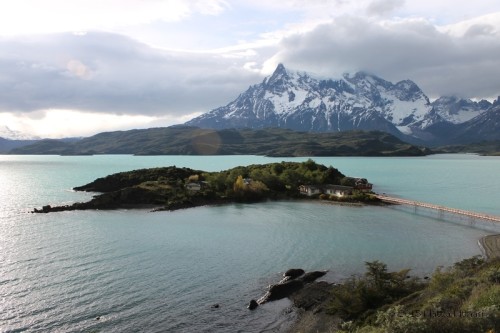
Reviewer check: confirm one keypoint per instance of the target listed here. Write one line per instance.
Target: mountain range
(361, 101)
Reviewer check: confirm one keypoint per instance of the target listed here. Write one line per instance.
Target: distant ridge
(183, 140)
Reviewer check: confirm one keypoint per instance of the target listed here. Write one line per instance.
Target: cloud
(108, 73)
(49, 16)
(439, 61)
(383, 7)
(70, 123)
(75, 55)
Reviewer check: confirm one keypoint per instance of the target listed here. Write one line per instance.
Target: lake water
(162, 272)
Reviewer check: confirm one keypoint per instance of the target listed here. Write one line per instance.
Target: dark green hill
(490, 148)
(7, 145)
(181, 140)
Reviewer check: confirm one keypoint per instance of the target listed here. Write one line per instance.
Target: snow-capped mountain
(485, 127)
(457, 110)
(299, 101)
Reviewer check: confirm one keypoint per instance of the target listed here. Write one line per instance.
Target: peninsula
(172, 188)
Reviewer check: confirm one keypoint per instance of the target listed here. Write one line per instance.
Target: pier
(440, 209)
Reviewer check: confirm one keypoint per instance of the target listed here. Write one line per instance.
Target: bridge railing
(463, 212)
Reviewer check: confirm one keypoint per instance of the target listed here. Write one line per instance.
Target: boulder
(312, 276)
(293, 281)
(293, 273)
(252, 305)
(282, 290)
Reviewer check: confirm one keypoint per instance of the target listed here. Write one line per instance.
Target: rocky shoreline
(311, 302)
(310, 298)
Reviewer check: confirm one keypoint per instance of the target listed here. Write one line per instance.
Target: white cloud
(383, 7)
(440, 62)
(49, 16)
(113, 74)
(211, 7)
(486, 25)
(73, 123)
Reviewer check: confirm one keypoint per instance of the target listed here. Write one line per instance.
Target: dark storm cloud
(102, 72)
(439, 62)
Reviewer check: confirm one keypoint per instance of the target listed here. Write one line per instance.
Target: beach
(491, 246)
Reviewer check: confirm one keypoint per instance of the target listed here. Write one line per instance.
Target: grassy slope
(463, 298)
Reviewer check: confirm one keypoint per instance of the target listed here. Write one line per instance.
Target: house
(196, 186)
(361, 184)
(310, 190)
(337, 190)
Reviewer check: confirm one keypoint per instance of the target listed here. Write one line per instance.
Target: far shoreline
(490, 246)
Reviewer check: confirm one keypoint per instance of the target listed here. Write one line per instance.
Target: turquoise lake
(162, 272)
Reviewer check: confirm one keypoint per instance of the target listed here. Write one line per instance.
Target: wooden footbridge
(440, 209)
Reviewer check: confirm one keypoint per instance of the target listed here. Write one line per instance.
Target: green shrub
(395, 320)
(378, 287)
(469, 265)
(486, 296)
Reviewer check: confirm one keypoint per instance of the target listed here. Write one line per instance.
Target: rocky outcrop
(293, 273)
(294, 280)
(312, 276)
(281, 290)
(252, 305)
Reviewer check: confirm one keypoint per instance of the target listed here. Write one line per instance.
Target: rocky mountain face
(298, 101)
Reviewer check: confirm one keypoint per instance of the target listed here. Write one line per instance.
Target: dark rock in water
(279, 291)
(215, 306)
(252, 305)
(294, 281)
(45, 209)
(294, 273)
(311, 276)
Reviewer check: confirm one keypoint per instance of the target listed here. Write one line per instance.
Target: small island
(172, 188)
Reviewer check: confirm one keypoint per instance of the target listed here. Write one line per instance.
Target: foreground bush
(463, 298)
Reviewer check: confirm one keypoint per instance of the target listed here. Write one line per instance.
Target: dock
(440, 209)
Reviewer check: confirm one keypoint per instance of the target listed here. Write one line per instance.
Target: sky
(79, 67)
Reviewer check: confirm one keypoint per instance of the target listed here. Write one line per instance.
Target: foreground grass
(463, 298)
